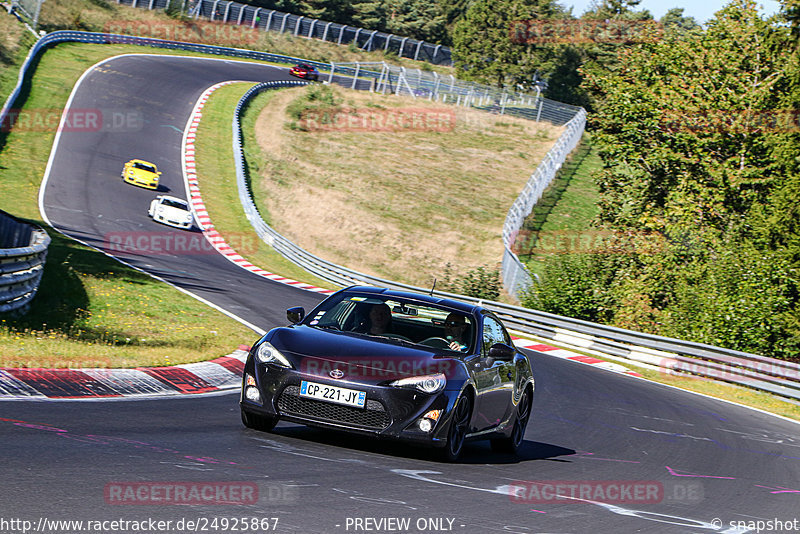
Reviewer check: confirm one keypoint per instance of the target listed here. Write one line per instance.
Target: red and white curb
(220, 374)
(573, 356)
(201, 214)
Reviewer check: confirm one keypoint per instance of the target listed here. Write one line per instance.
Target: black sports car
(392, 364)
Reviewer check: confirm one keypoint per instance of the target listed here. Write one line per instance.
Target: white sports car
(171, 211)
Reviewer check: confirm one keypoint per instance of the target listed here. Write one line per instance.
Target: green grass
(92, 311)
(217, 179)
(561, 221)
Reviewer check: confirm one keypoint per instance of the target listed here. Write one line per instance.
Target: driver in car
(455, 330)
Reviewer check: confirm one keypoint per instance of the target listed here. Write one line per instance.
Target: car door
(494, 379)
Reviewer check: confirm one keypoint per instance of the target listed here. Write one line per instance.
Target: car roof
(422, 297)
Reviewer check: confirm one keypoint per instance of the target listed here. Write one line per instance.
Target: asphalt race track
(627, 454)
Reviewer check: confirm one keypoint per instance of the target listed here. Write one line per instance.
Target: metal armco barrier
(277, 21)
(23, 249)
(666, 354)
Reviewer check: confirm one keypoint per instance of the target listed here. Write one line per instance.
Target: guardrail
(23, 249)
(666, 354)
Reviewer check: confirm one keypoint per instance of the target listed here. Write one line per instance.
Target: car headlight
(266, 353)
(426, 383)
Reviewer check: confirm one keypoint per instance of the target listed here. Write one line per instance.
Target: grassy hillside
(401, 205)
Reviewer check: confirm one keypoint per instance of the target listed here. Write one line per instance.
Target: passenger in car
(380, 319)
(377, 319)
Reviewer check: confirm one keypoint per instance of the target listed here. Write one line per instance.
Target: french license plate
(348, 397)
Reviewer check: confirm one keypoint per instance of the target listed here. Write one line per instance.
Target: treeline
(486, 48)
(426, 20)
(699, 133)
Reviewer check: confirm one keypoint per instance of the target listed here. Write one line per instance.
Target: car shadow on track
(477, 452)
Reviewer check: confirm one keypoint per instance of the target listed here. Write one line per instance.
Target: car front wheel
(458, 428)
(258, 422)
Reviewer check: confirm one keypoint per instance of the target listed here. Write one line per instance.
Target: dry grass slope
(397, 205)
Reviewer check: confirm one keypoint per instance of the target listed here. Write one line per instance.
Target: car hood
(317, 352)
(172, 213)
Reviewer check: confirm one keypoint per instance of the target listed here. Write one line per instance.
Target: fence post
(402, 46)
(416, 54)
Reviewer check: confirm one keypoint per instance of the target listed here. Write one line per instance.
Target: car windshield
(175, 204)
(144, 167)
(406, 321)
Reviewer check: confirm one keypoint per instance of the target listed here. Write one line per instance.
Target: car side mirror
(296, 314)
(502, 352)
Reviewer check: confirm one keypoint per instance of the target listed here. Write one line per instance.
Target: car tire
(258, 422)
(511, 444)
(462, 413)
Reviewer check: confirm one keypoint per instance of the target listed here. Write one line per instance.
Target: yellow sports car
(141, 173)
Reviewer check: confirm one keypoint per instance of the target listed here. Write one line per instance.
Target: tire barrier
(23, 249)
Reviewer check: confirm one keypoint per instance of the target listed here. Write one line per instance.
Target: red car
(305, 71)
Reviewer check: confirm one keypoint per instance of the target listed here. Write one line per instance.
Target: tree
(419, 19)
(688, 150)
(700, 139)
(487, 48)
(674, 20)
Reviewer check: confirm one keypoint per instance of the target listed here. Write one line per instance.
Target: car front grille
(372, 416)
